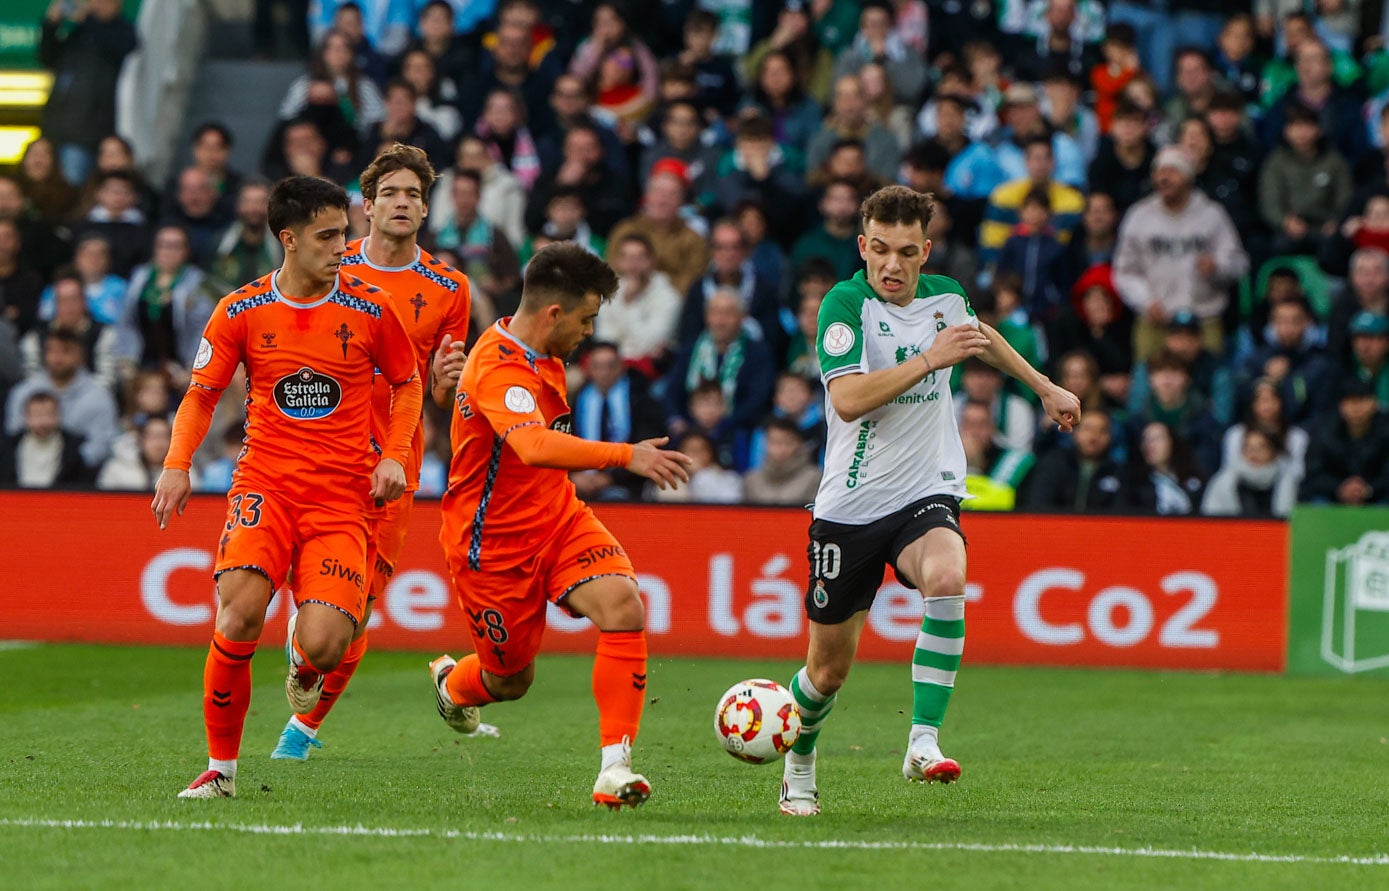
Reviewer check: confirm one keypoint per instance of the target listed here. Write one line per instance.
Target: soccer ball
(757, 721)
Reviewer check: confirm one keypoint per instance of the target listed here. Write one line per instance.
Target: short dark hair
(817, 267)
(638, 238)
(701, 19)
(296, 200)
(1121, 34)
(1166, 360)
(1039, 139)
(465, 173)
(1298, 113)
(1191, 50)
(565, 273)
(400, 83)
(217, 127)
(897, 204)
(124, 176)
(398, 157)
(785, 425)
(1038, 195)
(63, 335)
(927, 155)
(707, 387)
(40, 396)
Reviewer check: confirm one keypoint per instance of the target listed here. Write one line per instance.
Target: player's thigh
(934, 563)
(330, 565)
(390, 525)
(589, 574)
(258, 535)
(506, 614)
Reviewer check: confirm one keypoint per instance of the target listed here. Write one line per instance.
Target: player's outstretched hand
(170, 495)
(449, 360)
(956, 344)
(662, 466)
(387, 481)
(1062, 406)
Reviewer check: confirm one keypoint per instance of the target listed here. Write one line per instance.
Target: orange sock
(336, 681)
(619, 684)
(465, 684)
(226, 694)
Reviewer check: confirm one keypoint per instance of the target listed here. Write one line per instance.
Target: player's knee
(239, 624)
(621, 610)
(828, 678)
(324, 653)
(943, 581)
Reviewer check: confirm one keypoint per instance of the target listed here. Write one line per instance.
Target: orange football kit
(516, 535)
(301, 490)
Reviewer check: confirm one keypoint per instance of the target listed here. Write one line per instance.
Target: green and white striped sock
(937, 658)
(814, 710)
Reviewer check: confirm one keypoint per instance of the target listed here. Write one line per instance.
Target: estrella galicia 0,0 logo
(307, 395)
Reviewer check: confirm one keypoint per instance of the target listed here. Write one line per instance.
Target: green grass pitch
(1072, 779)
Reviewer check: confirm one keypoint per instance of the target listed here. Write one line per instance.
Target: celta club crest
(418, 303)
(344, 334)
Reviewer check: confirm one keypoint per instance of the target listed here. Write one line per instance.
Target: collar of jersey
(275, 289)
(367, 260)
(531, 354)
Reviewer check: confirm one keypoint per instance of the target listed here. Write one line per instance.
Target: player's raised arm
(855, 394)
(1061, 405)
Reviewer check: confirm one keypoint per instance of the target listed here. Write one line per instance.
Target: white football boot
(799, 796)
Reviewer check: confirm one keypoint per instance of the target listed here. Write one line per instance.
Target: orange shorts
(506, 608)
(388, 526)
(324, 545)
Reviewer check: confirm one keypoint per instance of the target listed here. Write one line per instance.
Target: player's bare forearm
(1001, 355)
(855, 395)
(442, 392)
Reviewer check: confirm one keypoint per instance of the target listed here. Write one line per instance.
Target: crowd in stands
(1179, 210)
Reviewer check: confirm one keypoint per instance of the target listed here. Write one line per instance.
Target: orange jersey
(310, 368)
(432, 299)
(498, 509)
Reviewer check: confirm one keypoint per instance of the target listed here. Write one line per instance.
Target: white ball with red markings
(757, 721)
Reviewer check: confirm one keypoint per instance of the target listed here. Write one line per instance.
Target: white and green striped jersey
(910, 448)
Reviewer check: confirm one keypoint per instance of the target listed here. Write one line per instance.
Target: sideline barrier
(1339, 591)
(718, 581)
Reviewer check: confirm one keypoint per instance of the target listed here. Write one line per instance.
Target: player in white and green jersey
(894, 476)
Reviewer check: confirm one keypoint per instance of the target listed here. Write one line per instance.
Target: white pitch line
(739, 841)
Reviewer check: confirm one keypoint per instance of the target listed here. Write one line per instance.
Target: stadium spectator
(246, 249)
(849, 118)
(1293, 360)
(1003, 213)
(106, 293)
(800, 400)
(571, 102)
(642, 317)
(216, 475)
(793, 35)
(1348, 456)
(605, 194)
(167, 309)
(677, 250)
(42, 455)
(20, 285)
(787, 473)
(717, 88)
(1165, 478)
(1084, 479)
(70, 314)
(992, 472)
(482, 249)
(1264, 411)
(710, 482)
(1366, 290)
(1012, 415)
(565, 219)
(1369, 353)
(1061, 35)
(1259, 481)
(779, 96)
(117, 218)
(835, 239)
(1002, 158)
(197, 210)
(301, 146)
(1064, 112)
(1120, 66)
(84, 45)
(951, 252)
(883, 107)
(402, 124)
(87, 407)
(437, 96)
(724, 352)
(1337, 109)
(334, 64)
(731, 269)
(680, 141)
(1233, 146)
(1001, 306)
(43, 248)
(1210, 375)
(137, 458)
(374, 29)
(1098, 323)
(1164, 239)
(1124, 159)
(1078, 372)
(503, 201)
(211, 149)
(114, 154)
(48, 192)
(612, 45)
(1097, 235)
(507, 65)
(802, 358)
(1222, 184)
(767, 258)
(949, 122)
(1033, 254)
(1237, 62)
(1304, 185)
(146, 395)
(1172, 402)
(877, 42)
(613, 405)
(453, 55)
(1195, 86)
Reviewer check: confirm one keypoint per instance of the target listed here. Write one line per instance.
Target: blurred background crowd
(1179, 210)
